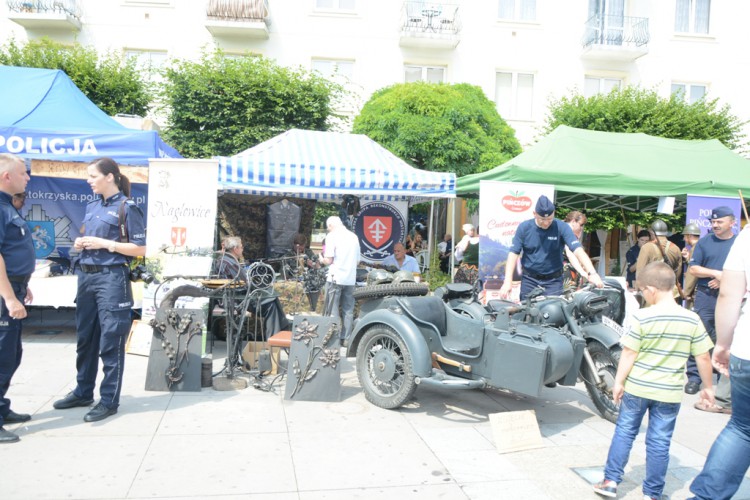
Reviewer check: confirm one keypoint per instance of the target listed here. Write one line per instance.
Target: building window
(517, 10)
(692, 16)
(337, 71)
(594, 86)
(151, 62)
(514, 95)
(430, 74)
(347, 5)
(691, 93)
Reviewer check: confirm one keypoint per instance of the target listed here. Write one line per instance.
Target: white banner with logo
(182, 214)
(502, 207)
(379, 225)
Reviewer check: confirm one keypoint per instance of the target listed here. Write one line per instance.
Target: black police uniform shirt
(541, 250)
(16, 245)
(102, 220)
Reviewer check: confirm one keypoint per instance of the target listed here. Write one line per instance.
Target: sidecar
(450, 340)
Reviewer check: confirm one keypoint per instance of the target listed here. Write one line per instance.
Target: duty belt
(93, 268)
(714, 292)
(544, 276)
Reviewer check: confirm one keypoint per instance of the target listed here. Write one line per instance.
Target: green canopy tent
(592, 169)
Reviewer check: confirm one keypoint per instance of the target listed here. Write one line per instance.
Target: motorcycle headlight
(590, 304)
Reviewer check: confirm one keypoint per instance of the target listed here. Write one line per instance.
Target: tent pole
(453, 240)
(431, 233)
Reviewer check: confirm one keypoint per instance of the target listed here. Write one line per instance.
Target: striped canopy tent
(326, 166)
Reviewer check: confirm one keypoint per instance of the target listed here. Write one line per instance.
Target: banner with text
(502, 207)
(55, 208)
(379, 225)
(182, 214)
(699, 208)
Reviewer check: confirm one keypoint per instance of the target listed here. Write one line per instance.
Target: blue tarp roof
(43, 115)
(328, 165)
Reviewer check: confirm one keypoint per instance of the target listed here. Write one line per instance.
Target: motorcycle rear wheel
(606, 361)
(385, 368)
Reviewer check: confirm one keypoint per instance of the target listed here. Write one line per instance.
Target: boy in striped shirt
(650, 378)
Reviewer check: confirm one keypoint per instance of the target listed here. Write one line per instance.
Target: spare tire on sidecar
(403, 289)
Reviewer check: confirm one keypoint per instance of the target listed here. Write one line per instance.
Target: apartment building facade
(522, 53)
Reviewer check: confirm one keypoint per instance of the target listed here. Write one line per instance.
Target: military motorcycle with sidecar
(404, 338)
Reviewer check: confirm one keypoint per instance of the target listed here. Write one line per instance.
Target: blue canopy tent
(326, 166)
(45, 117)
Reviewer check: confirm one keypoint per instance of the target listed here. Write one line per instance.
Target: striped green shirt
(663, 335)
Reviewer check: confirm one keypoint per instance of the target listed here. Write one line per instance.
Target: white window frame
(335, 7)
(605, 84)
(147, 65)
(424, 69)
(692, 17)
(686, 90)
(518, 8)
(333, 72)
(510, 110)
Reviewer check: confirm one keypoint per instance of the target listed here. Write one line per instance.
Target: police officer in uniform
(16, 266)
(540, 241)
(104, 299)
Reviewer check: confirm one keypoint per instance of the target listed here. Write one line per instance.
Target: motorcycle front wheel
(385, 368)
(606, 361)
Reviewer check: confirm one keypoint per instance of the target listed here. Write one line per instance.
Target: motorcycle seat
(454, 291)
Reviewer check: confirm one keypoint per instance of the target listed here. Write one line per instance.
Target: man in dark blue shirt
(16, 265)
(540, 243)
(706, 264)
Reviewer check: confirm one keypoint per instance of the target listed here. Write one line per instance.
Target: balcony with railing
(620, 38)
(430, 25)
(45, 14)
(237, 18)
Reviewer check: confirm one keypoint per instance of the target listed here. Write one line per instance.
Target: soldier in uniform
(104, 300)
(650, 252)
(16, 266)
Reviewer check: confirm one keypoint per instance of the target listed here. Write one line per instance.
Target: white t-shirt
(342, 246)
(739, 260)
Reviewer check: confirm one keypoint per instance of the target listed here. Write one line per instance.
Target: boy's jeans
(661, 419)
(729, 458)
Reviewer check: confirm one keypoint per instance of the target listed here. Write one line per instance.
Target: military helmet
(692, 228)
(659, 227)
(403, 277)
(378, 277)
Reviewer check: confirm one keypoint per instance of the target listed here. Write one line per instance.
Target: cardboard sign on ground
(515, 431)
(139, 339)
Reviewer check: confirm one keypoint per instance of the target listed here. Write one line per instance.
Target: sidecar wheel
(405, 289)
(385, 368)
(606, 361)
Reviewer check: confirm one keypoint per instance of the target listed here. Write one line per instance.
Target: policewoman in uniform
(104, 299)
(16, 265)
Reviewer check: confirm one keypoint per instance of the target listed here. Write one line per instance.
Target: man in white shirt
(342, 256)
(729, 458)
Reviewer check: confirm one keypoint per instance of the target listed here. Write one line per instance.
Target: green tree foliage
(446, 128)
(221, 105)
(637, 110)
(633, 109)
(111, 82)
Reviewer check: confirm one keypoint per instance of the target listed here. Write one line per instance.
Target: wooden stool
(277, 342)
